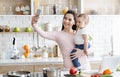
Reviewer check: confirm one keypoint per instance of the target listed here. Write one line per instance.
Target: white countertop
(38, 61)
(30, 61)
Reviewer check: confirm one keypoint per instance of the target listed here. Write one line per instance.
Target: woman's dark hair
(74, 15)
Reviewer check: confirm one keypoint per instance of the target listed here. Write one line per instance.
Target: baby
(81, 38)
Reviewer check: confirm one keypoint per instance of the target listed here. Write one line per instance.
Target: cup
(44, 72)
(51, 73)
(47, 8)
(58, 73)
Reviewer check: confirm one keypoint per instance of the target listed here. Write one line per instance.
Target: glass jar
(64, 10)
(44, 52)
(1, 28)
(7, 28)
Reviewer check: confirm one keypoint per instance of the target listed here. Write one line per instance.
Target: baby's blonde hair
(85, 17)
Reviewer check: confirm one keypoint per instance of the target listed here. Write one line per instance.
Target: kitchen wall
(100, 28)
(103, 7)
(22, 37)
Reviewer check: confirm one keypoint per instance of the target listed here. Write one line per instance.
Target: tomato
(92, 75)
(73, 71)
(96, 75)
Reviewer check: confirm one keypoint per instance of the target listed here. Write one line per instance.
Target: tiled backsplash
(100, 28)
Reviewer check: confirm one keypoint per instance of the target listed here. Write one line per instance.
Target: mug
(51, 73)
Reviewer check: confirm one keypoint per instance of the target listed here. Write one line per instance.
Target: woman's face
(80, 23)
(68, 21)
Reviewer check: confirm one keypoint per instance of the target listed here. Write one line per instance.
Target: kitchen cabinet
(92, 7)
(41, 66)
(51, 7)
(7, 68)
(29, 7)
(31, 68)
(59, 7)
(32, 65)
(37, 67)
(15, 7)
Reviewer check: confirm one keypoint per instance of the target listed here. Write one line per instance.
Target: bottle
(54, 9)
(50, 54)
(70, 5)
(10, 10)
(44, 52)
(55, 53)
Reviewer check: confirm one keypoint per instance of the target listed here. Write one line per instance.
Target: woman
(64, 38)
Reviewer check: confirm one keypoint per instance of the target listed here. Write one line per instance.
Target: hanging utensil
(38, 41)
(34, 48)
(13, 40)
(44, 42)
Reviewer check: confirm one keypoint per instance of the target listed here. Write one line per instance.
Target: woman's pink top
(66, 44)
(64, 40)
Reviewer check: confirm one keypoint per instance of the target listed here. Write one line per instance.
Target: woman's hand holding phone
(36, 17)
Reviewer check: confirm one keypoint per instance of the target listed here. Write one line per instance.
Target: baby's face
(80, 23)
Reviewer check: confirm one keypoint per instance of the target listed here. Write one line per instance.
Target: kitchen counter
(40, 74)
(36, 64)
(31, 61)
(43, 61)
(40, 61)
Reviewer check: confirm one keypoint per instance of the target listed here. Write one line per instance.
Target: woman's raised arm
(47, 35)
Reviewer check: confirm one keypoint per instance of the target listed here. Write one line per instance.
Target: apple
(28, 29)
(118, 68)
(73, 71)
(16, 29)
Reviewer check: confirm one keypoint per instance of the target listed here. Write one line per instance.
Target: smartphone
(38, 12)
